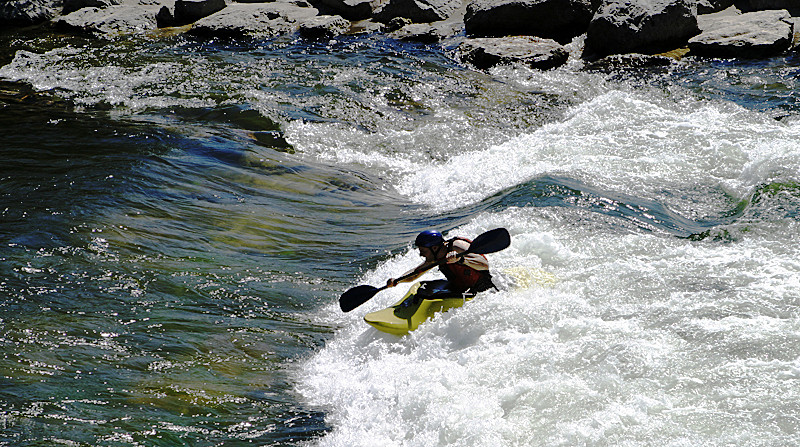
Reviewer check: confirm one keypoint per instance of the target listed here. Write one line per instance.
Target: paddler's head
(431, 245)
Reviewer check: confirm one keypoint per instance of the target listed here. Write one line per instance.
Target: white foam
(616, 141)
(642, 339)
(69, 71)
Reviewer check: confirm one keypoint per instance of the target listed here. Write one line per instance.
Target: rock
(324, 27)
(553, 19)
(74, 5)
(795, 21)
(427, 32)
(111, 21)
(750, 35)
(366, 26)
(397, 23)
(190, 11)
(165, 18)
(27, 12)
(418, 11)
(793, 6)
(353, 10)
(643, 26)
(712, 6)
(253, 20)
(486, 52)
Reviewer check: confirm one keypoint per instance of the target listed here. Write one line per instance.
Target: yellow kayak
(411, 311)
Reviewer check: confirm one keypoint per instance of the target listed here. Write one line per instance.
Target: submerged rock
(750, 35)
(486, 52)
(644, 26)
(630, 61)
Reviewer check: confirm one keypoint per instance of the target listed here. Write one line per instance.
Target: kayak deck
(411, 311)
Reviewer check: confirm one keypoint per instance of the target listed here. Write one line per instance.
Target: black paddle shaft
(490, 242)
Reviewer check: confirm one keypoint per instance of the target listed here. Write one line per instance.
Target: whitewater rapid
(211, 200)
(641, 338)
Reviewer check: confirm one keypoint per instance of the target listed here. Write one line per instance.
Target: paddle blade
(356, 297)
(490, 242)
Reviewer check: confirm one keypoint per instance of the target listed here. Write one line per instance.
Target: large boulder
(112, 21)
(750, 35)
(349, 9)
(486, 52)
(418, 11)
(27, 12)
(254, 20)
(190, 11)
(640, 26)
(552, 19)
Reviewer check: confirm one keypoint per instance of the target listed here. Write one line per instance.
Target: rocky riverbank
(534, 32)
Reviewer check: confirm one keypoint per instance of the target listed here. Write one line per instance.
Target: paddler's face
(429, 253)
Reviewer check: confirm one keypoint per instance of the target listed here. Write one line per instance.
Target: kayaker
(465, 274)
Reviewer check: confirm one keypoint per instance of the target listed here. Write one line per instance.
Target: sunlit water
(179, 218)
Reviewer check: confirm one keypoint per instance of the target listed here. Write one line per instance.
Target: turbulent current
(179, 217)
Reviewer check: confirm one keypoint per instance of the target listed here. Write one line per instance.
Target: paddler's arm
(412, 274)
(472, 260)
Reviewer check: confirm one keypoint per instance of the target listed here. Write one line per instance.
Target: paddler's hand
(391, 282)
(453, 258)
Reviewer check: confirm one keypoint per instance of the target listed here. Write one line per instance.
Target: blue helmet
(429, 238)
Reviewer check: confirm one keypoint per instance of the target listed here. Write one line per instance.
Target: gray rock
(349, 9)
(643, 26)
(366, 26)
(750, 35)
(253, 20)
(324, 27)
(486, 52)
(111, 21)
(74, 5)
(795, 21)
(553, 19)
(418, 11)
(427, 32)
(27, 12)
(190, 11)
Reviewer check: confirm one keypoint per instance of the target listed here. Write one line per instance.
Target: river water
(179, 217)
